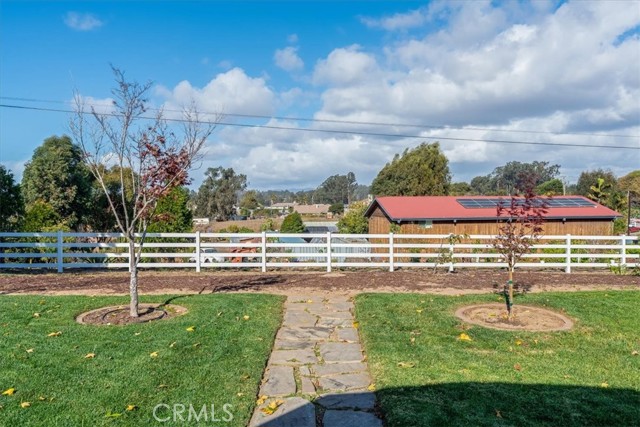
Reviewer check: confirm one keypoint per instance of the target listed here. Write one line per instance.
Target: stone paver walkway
(317, 373)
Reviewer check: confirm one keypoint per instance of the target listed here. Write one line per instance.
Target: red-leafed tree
(520, 226)
(150, 157)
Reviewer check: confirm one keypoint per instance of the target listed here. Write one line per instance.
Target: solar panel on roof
(570, 202)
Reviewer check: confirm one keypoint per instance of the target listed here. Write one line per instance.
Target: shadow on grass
(489, 404)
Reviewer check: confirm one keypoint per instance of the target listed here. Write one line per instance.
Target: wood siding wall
(379, 223)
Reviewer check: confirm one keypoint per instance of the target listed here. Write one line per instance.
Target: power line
(353, 122)
(346, 132)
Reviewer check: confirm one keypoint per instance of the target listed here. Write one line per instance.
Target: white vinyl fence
(263, 251)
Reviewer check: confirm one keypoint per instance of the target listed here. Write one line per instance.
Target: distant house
(282, 208)
(574, 215)
(200, 221)
(317, 209)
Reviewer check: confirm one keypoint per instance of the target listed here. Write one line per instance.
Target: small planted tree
(149, 158)
(292, 223)
(520, 227)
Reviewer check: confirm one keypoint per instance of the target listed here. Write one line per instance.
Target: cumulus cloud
(288, 59)
(345, 66)
(229, 92)
(82, 21)
(398, 21)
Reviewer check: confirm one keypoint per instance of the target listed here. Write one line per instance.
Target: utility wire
(353, 122)
(345, 132)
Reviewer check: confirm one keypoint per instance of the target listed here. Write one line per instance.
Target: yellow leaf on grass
(604, 385)
(25, 404)
(406, 364)
(191, 328)
(154, 354)
(137, 333)
(55, 334)
(163, 386)
(634, 353)
(245, 317)
(29, 350)
(36, 314)
(412, 340)
(172, 344)
(356, 325)
(464, 337)
(9, 392)
(518, 342)
(419, 311)
(89, 355)
(261, 400)
(42, 398)
(239, 394)
(131, 407)
(372, 387)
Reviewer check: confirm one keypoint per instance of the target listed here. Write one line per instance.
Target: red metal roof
(410, 208)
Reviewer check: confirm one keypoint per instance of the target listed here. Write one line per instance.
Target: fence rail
(61, 251)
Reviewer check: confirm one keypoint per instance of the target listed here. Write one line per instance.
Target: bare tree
(521, 229)
(150, 158)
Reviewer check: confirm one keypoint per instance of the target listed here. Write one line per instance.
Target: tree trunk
(133, 281)
(510, 298)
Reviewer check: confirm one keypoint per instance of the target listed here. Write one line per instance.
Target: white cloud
(398, 21)
(82, 21)
(288, 59)
(292, 38)
(345, 67)
(229, 92)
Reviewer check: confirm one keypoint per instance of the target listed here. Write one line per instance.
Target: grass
(220, 363)
(588, 376)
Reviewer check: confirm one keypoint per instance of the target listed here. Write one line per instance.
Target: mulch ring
(119, 314)
(525, 318)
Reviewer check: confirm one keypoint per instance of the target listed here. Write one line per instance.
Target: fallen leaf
(604, 385)
(498, 414)
(239, 394)
(154, 354)
(36, 314)
(356, 325)
(55, 334)
(137, 333)
(9, 392)
(163, 386)
(517, 367)
(372, 387)
(196, 345)
(89, 355)
(42, 398)
(406, 364)
(110, 414)
(245, 317)
(261, 400)
(464, 337)
(419, 311)
(412, 340)
(634, 353)
(172, 344)
(272, 407)
(309, 301)
(518, 342)
(131, 407)
(191, 328)
(219, 314)
(29, 350)
(25, 404)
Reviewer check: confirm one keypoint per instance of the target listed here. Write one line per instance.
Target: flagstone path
(317, 372)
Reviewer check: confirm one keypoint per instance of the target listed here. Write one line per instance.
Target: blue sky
(543, 72)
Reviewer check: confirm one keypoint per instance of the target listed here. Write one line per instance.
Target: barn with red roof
(574, 215)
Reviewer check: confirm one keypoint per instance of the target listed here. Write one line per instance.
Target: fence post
(391, 260)
(264, 251)
(623, 251)
(198, 252)
(59, 248)
(328, 252)
(450, 256)
(567, 252)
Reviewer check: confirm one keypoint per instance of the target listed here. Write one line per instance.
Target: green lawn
(219, 363)
(585, 377)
